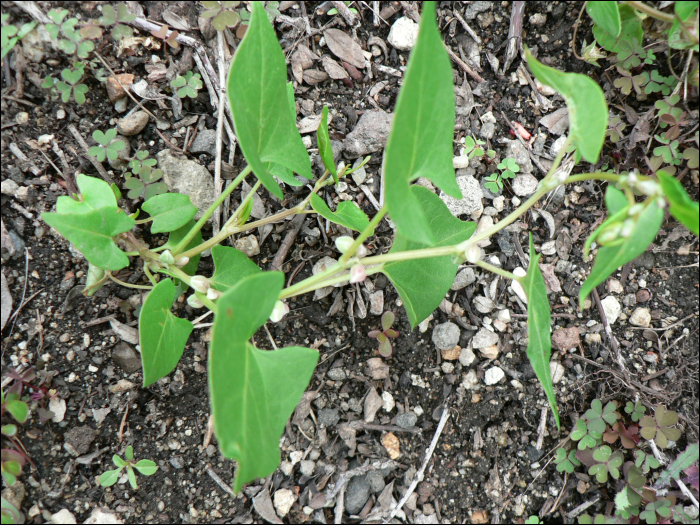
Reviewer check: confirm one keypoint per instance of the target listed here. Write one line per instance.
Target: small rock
(283, 501)
(612, 308)
(248, 245)
(403, 34)
(360, 174)
(370, 134)
(524, 184)
(426, 519)
(132, 124)
(446, 335)
(189, 178)
(22, 118)
(122, 386)
(388, 401)
(452, 354)
(641, 317)
(483, 304)
(549, 248)
(614, 286)
(373, 402)
(484, 224)
(499, 203)
(376, 481)
(58, 407)
(592, 339)
(490, 352)
(307, 467)
(464, 278)
(471, 380)
(493, 375)
(77, 440)
(406, 419)
(336, 374)
(376, 302)
(357, 494)
(425, 324)
(177, 462)
(466, 356)
(516, 286)
(483, 338)
(516, 151)
(470, 203)
(114, 84)
(556, 369)
(204, 142)
(643, 296)
(63, 516)
(377, 368)
(566, 338)
(328, 417)
(126, 357)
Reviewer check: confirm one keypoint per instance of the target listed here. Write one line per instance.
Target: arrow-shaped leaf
(231, 266)
(348, 214)
(169, 211)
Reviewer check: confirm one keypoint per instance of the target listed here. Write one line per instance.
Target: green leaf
(539, 347)
(132, 477)
(92, 232)
(146, 467)
(253, 392)
(324, 145)
(681, 206)
(606, 15)
(615, 200)
(257, 92)
(95, 193)
(630, 31)
(423, 283)
(109, 478)
(129, 453)
(290, 99)
(588, 112)
(685, 9)
(9, 430)
(420, 142)
(169, 211)
(682, 462)
(119, 462)
(610, 258)
(348, 214)
(18, 409)
(231, 266)
(162, 335)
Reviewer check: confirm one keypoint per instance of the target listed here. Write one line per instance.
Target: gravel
(446, 335)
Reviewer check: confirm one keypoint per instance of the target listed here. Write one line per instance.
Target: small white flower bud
(279, 311)
(357, 274)
(200, 283)
(182, 261)
(634, 210)
(473, 253)
(648, 187)
(362, 251)
(213, 294)
(194, 302)
(627, 228)
(343, 243)
(166, 257)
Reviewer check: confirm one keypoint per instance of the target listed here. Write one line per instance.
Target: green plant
(385, 334)
(71, 85)
(566, 462)
(118, 19)
(635, 410)
(9, 34)
(253, 392)
(188, 85)
(170, 39)
(669, 152)
(10, 513)
(73, 42)
(472, 148)
(106, 147)
(144, 466)
(533, 520)
(508, 169)
(658, 426)
(607, 462)
(12, 460)
(144, 184)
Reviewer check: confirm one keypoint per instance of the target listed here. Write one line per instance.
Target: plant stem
(288, 292)
(596, 176)
(242, 206)
(495, 269)
(654, 13)
(201, 222)
(149, 274)
(365, 233)
(128, 285)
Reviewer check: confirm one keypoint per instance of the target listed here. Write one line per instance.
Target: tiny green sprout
(106, 146)
(146, 184)
(334, 11)
(628, 81)
(645, 462)
(669, 152)
(223, 14)
(385, 333)
(74, 41)
(140, 160)
(171, 39)
(607, 462)
(9, 35)
(586, 437)
(144, 466)
(598, 417)
(659, 426)
(635, 410)
(72, 84)
(566, 462)
(660, 84)
(188, 85)
(615, 129)
(533, 520)
(654, 509)
(586, 519)
(117, 18)
(508, 169)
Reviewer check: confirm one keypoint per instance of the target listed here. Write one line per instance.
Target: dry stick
(466, 27)
(583, 506)
(216, 218)
(514, 34)
(345, 12)
(121, 426)
(611, 336)
(295, 226)
(522, 141)
(215, 100)
(98, 165)
(428, 455)
(463, 65)
(541, 428)
(339, 506)
(213, 475)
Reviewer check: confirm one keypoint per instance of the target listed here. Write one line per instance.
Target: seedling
(12, 460)
(635, 410)
(144, 184)
(669, 152)
(106, 146)
(334, 11)
(71, 85)
(118, 19)
(74, 42)
(188, 85)
(223, 14)
(508, 169)
(660, 84)
(472, 148)
(658, 426)
(253, 392)
(566, 462)
(629, 81)
(385, 334)
(607, 462)
(597, 417)
(144, 466)
(9, 35)
(170, 39)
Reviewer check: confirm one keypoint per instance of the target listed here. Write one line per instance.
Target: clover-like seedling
(660, 84)
(654, 509)
(171, 39)
(669, 152)
(607, 462)
(644, 461)
(9, 35)
(385, 334)
(144, 466)
(659, 426)
(223, 14)
(72, 85)
(628, 81)
(187, 85)
(508, 169)
(615, 129)
(598, 417)
(635, 410)
(74, 41)
(629, 436)
(117, 18)
(111, 151)
(145, 184)
(566, 462)
(139, 161)
(675, 118)
(12, 460)
(587, 438)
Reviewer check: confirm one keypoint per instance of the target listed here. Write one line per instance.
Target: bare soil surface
(487, 465)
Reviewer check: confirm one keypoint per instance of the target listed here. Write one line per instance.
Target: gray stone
(77, 440)
(336, 374)
(464, 278)
(488, 130)
(204, 142)
(132, 124)
(307, 467)
(126, 357)
(475, 8)
(189, 178)
(493, 376)
(516, 151)
(360, 174)
(177, 462)
(612, 308)
(446, 335)
(357, 494)
(403, 34)
(470, 203)
(505, 243)
(524, 185)
(328, 417)
(376, 481)
(483, 304)
(370, 134)
(376, 302)
(484, 338)
(641, 317)
(248, 245)
(406, 419)
(466, 356)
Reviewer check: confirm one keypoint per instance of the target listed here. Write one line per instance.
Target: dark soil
(486, 460)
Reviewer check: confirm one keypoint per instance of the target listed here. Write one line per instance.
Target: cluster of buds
(167, 258)
(202, 285)
(357, 271)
